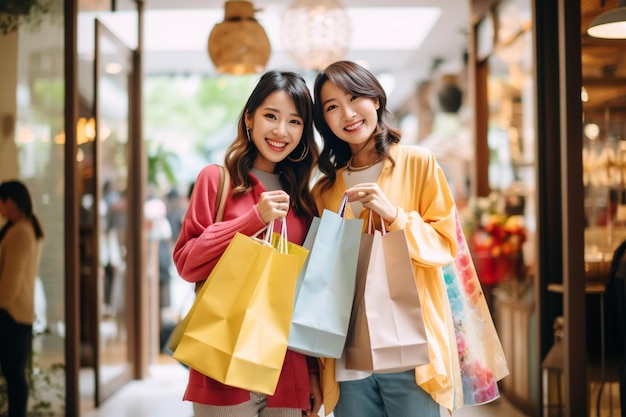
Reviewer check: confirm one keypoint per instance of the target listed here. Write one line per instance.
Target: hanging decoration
(239, 44)
(316, 33)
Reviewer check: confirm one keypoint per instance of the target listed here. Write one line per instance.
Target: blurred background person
(160, 252)
(451, 141)
(21, 239)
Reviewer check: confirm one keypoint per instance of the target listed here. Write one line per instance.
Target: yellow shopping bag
(237, 333)
(301, 253)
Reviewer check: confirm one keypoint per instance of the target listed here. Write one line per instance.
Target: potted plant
(46, 389)
(15, 12)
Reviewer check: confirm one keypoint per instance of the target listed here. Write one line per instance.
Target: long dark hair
(294, 176)
(351, 78)
(17, 192)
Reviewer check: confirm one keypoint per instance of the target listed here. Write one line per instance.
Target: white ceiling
(176, 34)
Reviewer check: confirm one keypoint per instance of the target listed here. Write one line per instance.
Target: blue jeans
(385, 395)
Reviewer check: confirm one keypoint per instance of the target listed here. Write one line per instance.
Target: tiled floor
(156, 396)
(160, 396)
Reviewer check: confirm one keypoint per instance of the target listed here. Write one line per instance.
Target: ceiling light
(592, 131)
(611, 24)
(239, 44)
(316, 33)
(113, 68)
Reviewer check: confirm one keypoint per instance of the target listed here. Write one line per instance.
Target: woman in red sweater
(270, 164)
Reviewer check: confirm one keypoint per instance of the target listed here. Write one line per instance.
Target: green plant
(160, 163)
(46, 389)
(13, 13)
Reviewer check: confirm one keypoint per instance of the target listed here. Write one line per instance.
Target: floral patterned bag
(481, 355)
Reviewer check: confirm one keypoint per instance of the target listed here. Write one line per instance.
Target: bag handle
(282, 242)
(282, 239)
(267, 238)
(220, 202)
(342, 207)
(220, 199)
(370, 224)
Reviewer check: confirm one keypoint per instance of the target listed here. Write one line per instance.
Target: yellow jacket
(426, 211)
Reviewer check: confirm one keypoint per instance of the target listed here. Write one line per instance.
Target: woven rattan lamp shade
(239, 44)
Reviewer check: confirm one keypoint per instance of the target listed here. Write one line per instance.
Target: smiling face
(275, 129)
(351, 118)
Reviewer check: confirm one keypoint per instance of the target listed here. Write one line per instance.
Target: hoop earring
(248, 134)
(303, 155)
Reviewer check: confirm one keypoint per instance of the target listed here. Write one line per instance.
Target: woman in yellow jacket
(405, 187)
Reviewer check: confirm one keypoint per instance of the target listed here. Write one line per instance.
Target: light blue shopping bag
(325, 286)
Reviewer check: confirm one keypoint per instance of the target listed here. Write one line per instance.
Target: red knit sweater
(200, 244)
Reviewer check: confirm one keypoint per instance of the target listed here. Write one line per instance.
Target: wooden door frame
(72, 214)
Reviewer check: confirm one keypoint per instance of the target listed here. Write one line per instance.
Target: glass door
(112, 309)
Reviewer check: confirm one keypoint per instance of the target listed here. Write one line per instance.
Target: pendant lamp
(611, 24)
(316, 33)
(239, 44)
